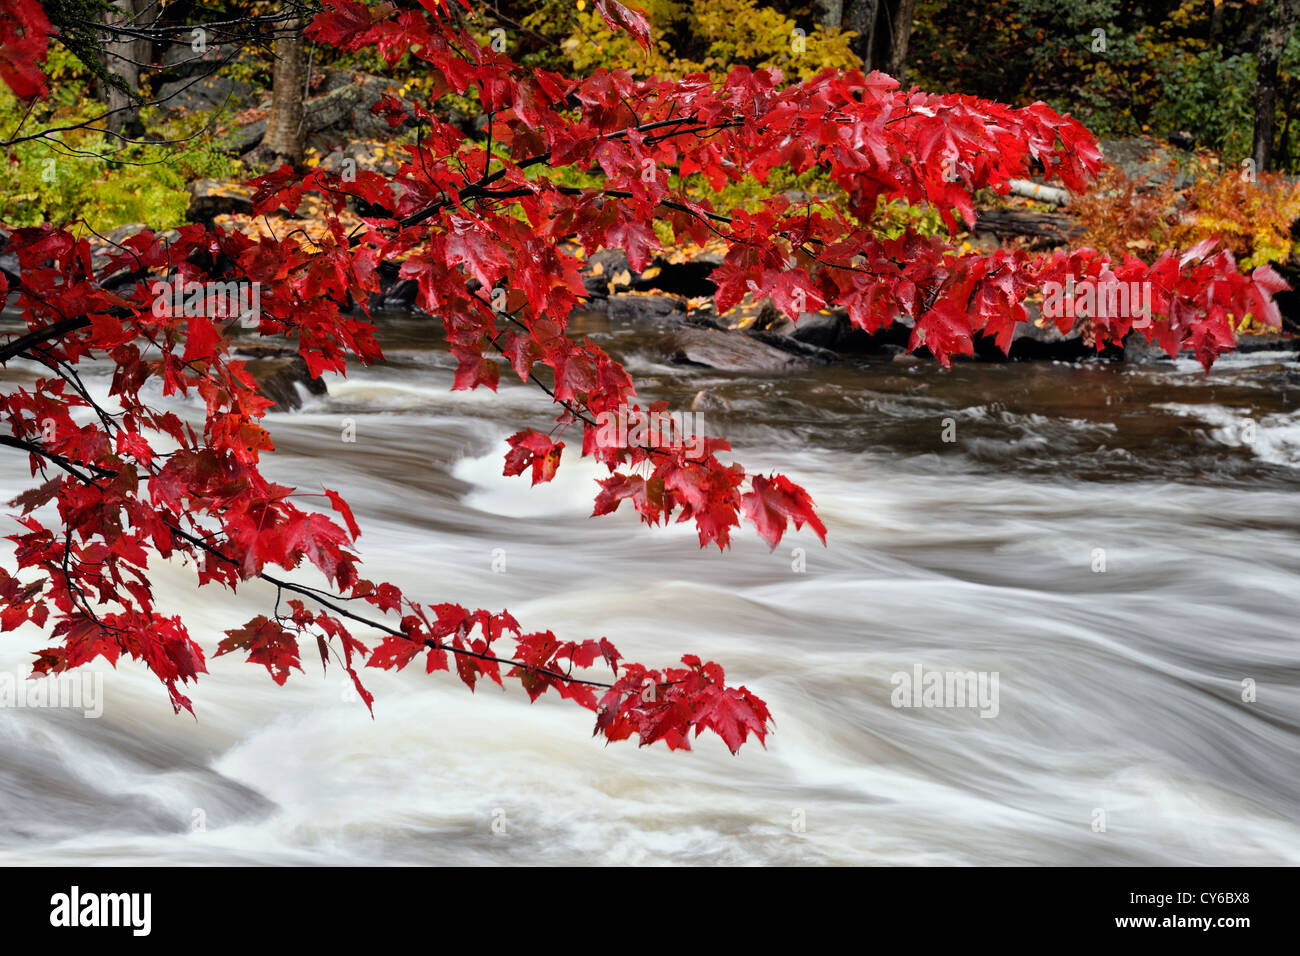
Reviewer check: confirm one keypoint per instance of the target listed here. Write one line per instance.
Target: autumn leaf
(623, 18)
(774, 501)
(267, 643)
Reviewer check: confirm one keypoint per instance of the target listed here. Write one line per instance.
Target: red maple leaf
(22, 47)
(776, 500)
(530, 447)
(267, 644)
(624, 18)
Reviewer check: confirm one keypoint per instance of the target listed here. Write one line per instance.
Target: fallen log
(1022, 222)
(1030, 190)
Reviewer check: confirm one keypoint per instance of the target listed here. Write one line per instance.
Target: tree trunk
(1277, 22)
(283, 141)
(830, 13)
(861, 16)
(883, 29)
(901, 13)
(121, 56)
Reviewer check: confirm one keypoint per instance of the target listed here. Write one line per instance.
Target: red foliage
(24, 34)
(466, 223)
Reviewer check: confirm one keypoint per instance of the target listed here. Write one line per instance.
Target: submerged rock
(706, 401)
(826, 330)
(804, 350)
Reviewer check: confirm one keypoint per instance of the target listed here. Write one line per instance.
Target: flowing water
(1119, 697)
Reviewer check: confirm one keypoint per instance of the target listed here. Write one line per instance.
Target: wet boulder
(832, 330)
(726, 351)
(643, 308)
(1032, 341)
(278, 372)
(606, 273)
(825, 330)
(786, 343)
(689, 278)
(209, 199)
(752, 313)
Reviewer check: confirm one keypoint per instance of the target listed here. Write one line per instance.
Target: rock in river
(278, 372)
(727, 351)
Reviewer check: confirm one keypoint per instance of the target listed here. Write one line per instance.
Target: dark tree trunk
(121, 58)
(283, 141)
(1277, 22)
(883, 29)
(860, 16)
(901, 14)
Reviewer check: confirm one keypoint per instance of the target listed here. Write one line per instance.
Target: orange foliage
(1251, 217)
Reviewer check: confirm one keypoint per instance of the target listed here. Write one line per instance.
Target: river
(1117, 544)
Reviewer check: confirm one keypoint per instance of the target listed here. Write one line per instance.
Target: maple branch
(66, 464)
(471, 190)
(17, 346)
(579, 412)
(314, 594)
(328, 602)
(247, 29)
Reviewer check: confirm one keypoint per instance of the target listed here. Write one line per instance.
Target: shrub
(82, 175)
(1252, 219)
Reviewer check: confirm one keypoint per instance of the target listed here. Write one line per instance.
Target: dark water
(1120, 691)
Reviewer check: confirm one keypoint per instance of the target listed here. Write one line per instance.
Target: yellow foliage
(1253, 219)
(712, 38)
